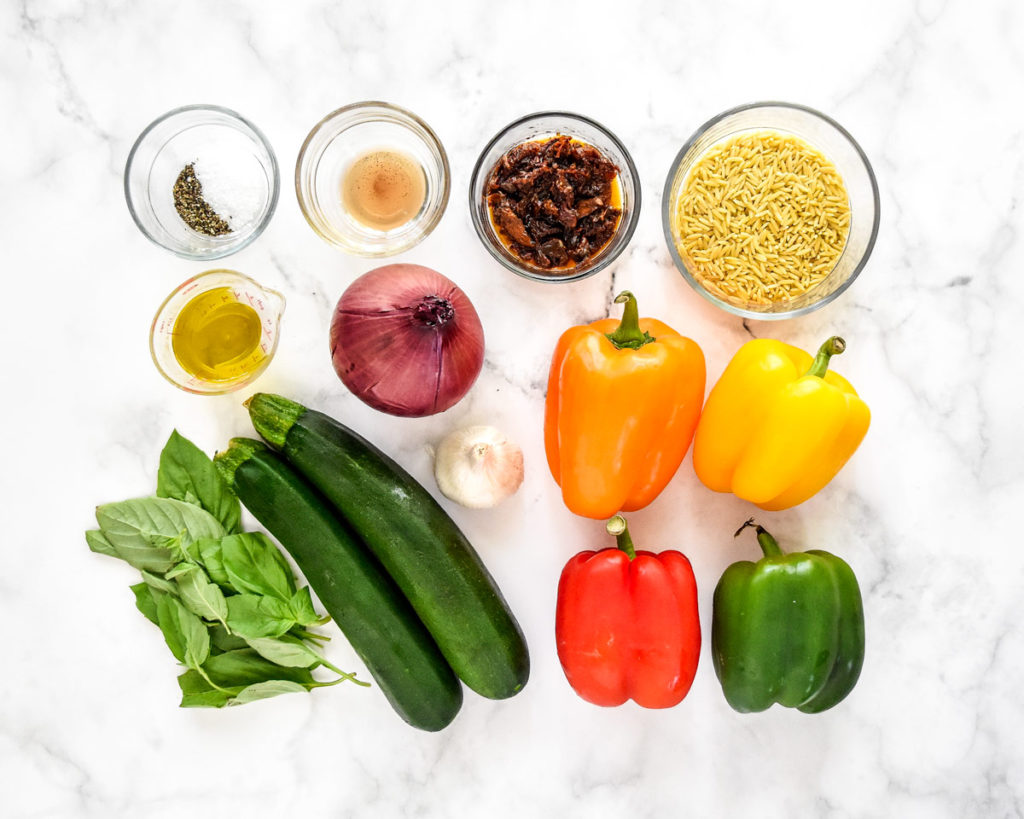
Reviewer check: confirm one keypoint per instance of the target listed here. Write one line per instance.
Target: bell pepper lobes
(787, 629)
(626, 624)
(622, 404)
(778, 426)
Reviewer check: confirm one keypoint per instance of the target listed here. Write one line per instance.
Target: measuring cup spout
(274, 301)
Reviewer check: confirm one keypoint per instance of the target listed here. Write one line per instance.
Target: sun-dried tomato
(551, 202)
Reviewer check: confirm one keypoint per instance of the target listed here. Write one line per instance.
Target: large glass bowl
(541, 126)
(820, 132)
(225, 148)
(331, 148)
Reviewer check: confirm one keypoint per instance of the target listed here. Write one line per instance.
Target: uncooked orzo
(762, 218)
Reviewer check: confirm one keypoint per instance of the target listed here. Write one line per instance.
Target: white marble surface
(927, 512)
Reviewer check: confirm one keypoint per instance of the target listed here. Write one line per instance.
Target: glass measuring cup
(268, 305)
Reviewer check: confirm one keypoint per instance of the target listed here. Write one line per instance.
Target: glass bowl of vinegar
(372, 179)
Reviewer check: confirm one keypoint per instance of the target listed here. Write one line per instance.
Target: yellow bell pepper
(778, 426)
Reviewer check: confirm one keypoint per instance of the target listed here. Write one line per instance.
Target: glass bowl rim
(275, 188)
(670, 239)
(631, 222)
(433, 141)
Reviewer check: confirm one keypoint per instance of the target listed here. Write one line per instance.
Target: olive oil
(384, 189)
(218, 338)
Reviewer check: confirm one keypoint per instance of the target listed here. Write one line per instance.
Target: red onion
(406, 340)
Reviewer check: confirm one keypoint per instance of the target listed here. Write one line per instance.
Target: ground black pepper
(192, 208)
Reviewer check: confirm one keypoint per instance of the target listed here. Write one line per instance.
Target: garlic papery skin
(478, 467)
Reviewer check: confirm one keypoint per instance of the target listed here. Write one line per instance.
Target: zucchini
(422, 549)
(368, 608)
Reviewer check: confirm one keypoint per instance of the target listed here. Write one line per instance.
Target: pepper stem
(768, 544)
(628, 333)
(831, 347)
(617, 527)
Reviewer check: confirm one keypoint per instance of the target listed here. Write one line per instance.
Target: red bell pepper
(626, 624)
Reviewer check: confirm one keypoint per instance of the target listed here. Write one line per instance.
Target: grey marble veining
(927, 512)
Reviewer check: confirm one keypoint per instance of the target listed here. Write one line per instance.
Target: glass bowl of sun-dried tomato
(555, 197)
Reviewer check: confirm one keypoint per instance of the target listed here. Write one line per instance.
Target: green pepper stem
(617, 527)
(832, 346)
(628, 333)
(768, 544)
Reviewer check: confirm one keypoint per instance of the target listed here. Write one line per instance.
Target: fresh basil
(140, 555)
(207, 551)
(255, 565)
(253, 616)
(160, 584)
(155, 523)
(222, 640)
(265, 690)
(246, 667)
(301, 607)
(145, 602)
(225, 601)
(98, 543)
(287, 651)
(184, 567)
(202, 597)
(187, 474)
(198, 693)
(184, 632)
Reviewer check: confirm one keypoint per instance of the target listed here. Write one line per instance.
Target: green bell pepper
(787, 629)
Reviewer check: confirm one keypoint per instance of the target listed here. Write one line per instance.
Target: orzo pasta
(762, 218)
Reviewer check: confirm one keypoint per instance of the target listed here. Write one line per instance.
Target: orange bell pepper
(622, 405)
(778, 426)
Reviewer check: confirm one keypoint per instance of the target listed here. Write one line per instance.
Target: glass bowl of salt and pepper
(201, 181)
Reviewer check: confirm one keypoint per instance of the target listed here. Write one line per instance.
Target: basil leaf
(246, 667)
(252, 616)
(168, 622)
(98, 543)
(196, 692)
(145, 602)
(144, 555)
(221, 640)
(301, 606)
(287, 651)
(206, 699)
(184, 632)
(145, 530)
(187, 474)
(159, 584)
(200, 596)
(207, 551)
(265, 690)
(179, 569)
(254, 564)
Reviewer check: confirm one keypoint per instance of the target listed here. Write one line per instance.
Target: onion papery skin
(386, 354)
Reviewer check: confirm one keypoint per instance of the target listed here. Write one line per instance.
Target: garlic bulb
(478, 467)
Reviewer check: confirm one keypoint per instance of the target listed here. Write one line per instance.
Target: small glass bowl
(344, 136)
(820, 132)
(234, 157)
(268, 304)
(544, 125)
